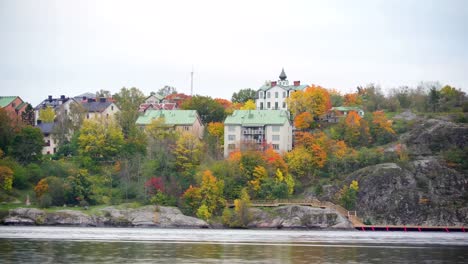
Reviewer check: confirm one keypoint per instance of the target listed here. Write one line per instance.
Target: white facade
(273, 98)
(258, 130)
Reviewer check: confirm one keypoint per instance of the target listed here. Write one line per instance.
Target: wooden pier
(352, 216)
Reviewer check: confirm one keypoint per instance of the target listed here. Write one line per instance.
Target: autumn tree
(314, 99)
(249, 105)
(47, 114)
(188, 152)
(244, 95)
(347, 196)
(100, 142)
(6, 178)
(352, 99)
(381, 128)
(207, 199)
(303, 120)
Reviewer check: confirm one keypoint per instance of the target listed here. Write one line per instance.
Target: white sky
(72, 47)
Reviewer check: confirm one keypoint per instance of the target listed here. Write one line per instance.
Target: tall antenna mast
(191, 82)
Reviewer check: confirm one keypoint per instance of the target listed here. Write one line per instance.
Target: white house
(257, 129)
(273, 94)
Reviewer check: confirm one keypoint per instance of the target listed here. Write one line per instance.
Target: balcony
(253, 131)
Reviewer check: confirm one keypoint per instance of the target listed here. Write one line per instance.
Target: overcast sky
(72, 47)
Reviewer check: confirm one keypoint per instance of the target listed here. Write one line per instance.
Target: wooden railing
(350, 215)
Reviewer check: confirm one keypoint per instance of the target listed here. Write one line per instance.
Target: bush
(44, 201)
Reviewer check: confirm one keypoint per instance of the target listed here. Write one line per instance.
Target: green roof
(257, 117)
(6, 100)
(171, 117)
(347, 108)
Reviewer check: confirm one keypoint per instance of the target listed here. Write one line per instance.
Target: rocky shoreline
(287, 217)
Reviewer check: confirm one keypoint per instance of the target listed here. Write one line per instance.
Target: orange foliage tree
(352, 99)
(314, 99)
(381, 127)
(303, 120)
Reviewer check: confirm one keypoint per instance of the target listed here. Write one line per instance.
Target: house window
(276, 146)
(276, 94)
(231, 128)
(112, 107)
(87, 116)
(284, 94)
(66, 112)
(284, 104)
(186, 128)
(261, 106)
(275, 128)
(268, 105)
(231, 146)
(268, 95)
(231, 137)
(55, 150)
(260, 95)
(107, 116)
(276, 105)
(276, 137)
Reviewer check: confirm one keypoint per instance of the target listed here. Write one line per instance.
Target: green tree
(27, 145)
(209, 109)
(28, 115)
(67, 123)
(128, 101)
(7, 131)
(348, 195)
(244, 95)
(434, 96)
(78, 188)
(167, 90)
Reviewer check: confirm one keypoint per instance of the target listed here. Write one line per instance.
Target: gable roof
(53, 102)
(96, 106)
(46, 128)
(6, 100)
(257, 117)
(171, 117)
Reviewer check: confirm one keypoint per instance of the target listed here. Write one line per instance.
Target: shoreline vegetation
(399, 161)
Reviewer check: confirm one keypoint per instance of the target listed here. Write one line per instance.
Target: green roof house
(181, 120)
(14, 106)
(273, 94)
(257, 129)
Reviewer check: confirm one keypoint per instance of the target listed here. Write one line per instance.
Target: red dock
(411, 228)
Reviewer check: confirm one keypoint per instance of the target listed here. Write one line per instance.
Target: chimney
(102, 99)
(62, 97)
(297, 83)
(273, 84)
(50, 98)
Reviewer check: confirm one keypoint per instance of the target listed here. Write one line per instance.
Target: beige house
(101, 109)
(257, 129)
(180, 120)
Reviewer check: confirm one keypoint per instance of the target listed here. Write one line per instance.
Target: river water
(149, 245)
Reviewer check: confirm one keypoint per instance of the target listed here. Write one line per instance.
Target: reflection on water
(127, 245)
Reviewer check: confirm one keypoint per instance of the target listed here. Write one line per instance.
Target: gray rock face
(425, 192)
(298, 217)
(109, 216)
(434, 135)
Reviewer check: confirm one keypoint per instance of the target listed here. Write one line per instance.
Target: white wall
(237, 133)
(272, 100)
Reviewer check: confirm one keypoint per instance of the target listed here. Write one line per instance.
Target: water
(139, 245)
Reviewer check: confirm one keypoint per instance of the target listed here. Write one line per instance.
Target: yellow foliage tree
(249, 105)
(47, 115)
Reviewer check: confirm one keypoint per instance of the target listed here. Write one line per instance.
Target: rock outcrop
(423, 192)
(150, 216)
(296, 216)
(434, 135)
